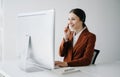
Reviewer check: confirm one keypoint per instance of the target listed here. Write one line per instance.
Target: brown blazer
(81, 54)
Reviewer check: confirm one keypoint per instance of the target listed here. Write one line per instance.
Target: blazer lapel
(81, 39)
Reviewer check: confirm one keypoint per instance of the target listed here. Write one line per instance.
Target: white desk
(100, 70)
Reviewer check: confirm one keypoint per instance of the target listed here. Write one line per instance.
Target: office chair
(96, 52)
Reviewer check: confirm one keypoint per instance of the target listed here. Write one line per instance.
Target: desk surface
(99, 70)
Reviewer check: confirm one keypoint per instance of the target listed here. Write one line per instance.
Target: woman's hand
(66, 33)
(61, 64)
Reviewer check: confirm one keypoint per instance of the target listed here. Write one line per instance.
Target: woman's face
(74, 22)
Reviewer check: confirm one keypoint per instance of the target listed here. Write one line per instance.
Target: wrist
(65, 39)
(66, 64)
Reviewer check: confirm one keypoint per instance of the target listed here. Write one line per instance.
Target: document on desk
(66, 70)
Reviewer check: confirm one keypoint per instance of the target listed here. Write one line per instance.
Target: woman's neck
(78, 30)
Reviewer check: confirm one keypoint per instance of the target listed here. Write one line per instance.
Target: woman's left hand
(61, 64)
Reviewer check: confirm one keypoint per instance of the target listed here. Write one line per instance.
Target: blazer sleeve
(87, 57)
(64, 47)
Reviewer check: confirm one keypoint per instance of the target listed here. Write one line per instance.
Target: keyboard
(65, 70)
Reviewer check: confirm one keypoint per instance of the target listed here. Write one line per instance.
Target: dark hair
(80, 13)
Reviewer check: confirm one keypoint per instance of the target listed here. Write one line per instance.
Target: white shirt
(75, 37)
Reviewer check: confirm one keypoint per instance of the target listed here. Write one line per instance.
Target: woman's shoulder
(88, 33)
(92, 34)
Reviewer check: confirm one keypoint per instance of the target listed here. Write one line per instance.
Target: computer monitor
(39, 28)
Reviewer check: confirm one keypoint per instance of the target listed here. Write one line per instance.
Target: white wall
(102, 18)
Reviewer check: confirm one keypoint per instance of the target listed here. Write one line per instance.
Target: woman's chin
(71, 29)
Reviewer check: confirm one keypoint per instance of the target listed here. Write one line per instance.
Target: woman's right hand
(66, 33)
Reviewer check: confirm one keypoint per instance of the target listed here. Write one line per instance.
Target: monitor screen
(39, 26)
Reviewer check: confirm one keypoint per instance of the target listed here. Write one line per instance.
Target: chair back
(96, 52)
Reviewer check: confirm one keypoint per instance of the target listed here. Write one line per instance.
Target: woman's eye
(72, 19)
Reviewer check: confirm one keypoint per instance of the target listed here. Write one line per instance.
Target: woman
(78, 43)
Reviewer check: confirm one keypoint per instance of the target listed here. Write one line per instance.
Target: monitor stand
(27, 61)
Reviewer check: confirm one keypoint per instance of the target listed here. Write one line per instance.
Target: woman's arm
(66, 43)
(64, 47)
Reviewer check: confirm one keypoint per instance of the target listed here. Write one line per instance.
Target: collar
(79, 32)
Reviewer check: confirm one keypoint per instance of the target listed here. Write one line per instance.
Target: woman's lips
(71, 27)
